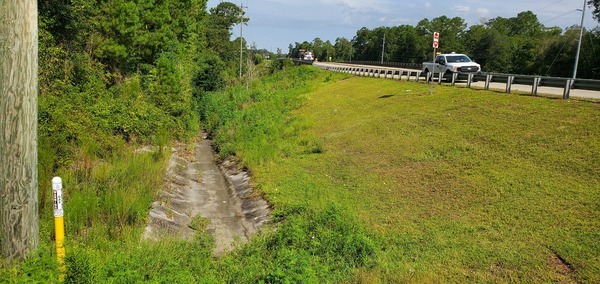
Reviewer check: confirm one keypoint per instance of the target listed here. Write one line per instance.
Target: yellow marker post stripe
(59, 223)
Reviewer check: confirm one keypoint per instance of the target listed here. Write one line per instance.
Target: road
(548, 91)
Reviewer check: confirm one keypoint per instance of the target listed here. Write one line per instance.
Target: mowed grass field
(462, 186)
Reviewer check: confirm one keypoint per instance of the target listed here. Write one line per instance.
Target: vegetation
(371, 181)
(461, 186)
(517, 45)
(595, 4)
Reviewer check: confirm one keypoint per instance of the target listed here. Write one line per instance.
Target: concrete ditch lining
(195, 185)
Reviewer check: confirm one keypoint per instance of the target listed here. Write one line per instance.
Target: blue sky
(277, 23)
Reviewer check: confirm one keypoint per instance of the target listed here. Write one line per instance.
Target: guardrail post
(429, 76)
(440, 78)
(567, 92)
(454, 75)
(408, 74)
(536, 84)
(509, 82)
(418, 76)
(470, 80)
(488, 79)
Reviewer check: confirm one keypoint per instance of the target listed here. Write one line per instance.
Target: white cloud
(483, 12)
(461, 9)
(428, 5)
(376, 5)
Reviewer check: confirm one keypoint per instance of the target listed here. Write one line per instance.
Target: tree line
(517, 45)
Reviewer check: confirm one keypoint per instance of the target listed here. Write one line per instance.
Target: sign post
(436, 44)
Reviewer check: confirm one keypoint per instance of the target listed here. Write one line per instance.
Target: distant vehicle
(451, 63)
(306, 55)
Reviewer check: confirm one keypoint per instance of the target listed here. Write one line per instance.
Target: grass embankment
(458, 186)
(107, 201)
(371, 181)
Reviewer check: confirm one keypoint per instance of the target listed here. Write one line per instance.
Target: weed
(199, 223)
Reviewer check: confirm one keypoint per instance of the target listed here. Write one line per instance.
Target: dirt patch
(197, 187)
(560, 264)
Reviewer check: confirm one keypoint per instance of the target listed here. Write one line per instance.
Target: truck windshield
(457, 58)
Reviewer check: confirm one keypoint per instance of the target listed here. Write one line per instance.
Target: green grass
(371, 181)
(459, 186)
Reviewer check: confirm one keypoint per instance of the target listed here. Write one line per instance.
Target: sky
(278, 23)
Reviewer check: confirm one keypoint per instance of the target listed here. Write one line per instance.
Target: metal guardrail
(388, 64)
(509, 79)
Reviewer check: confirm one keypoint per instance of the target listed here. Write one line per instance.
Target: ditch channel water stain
(197, 186)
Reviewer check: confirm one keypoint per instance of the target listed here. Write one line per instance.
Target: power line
(548, 6)
(561, 15)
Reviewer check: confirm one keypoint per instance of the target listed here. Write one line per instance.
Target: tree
(18, 126)
(343, 49)
(318, 49)
(220, 21)
(489, 48)
(451, 32)
(595, 5)
(367, 44)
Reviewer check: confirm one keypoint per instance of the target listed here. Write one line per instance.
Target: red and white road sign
(436, 39)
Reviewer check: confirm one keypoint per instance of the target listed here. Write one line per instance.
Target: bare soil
(197, 186)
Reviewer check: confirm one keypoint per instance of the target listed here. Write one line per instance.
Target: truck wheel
(448, 76)
(426, 72)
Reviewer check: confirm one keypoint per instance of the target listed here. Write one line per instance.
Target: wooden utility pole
(18, 128)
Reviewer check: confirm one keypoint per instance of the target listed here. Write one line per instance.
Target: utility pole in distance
(579, 43)
(18, 128)
(241, 35)
(383, 49)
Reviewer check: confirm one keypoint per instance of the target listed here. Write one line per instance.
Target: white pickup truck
(451, 63)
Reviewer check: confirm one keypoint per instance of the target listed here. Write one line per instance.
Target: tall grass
(107, 202)
(257, 125)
